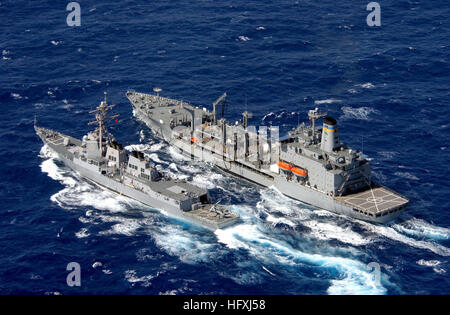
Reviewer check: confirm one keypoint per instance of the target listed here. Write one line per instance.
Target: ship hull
(122, 189)
(295, 191)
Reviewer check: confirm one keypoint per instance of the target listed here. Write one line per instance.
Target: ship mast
(101, 118)
(219, 101)
(314, 114)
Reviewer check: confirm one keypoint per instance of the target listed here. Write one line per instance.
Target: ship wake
(277, 234)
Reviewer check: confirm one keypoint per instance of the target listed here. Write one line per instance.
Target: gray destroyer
(99, 158)
(310, 164)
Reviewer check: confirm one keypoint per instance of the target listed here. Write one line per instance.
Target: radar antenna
(313, 115)
(101, 118)
(246, 115)
(157, 90)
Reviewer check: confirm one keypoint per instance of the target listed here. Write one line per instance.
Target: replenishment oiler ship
(310, 164)
(99, 158)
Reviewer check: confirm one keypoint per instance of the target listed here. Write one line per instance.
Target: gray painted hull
(301, 193)
(153, 201)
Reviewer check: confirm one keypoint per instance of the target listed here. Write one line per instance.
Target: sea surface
(387, 86)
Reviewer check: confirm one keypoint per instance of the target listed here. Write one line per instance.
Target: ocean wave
(428, 263)
(421, 228)
(392, 234)
(132, 277)
(351, 276)
(360, 113)
(406, 175)
(367, 85)
(327, 101)
(243, 38)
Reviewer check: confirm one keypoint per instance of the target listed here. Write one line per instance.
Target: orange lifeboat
(299, 171)
(194, 140)
(284, 166)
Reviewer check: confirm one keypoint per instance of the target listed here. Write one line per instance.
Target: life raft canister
(299, 171)
(284, 166)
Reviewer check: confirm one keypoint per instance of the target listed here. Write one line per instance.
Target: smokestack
(330, 138)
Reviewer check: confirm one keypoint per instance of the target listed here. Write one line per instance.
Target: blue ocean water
(388, 87)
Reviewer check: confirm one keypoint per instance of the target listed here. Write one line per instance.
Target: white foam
(82, 233)
(173, 166)
(207, 181)
(353, 276)
(141, 136)
(428, 263)
(421, 228)
(276, 220)
(244, 38)
(16, 96)
(268, 271)
(138, 147)
(327, 231)
(183, 244)
(272, 200)
(388, 155)
(406, 175)
(79, 192)
(327, 101)
(97, 264)
(124, 226)
(360, 113)
(131, 276)
(367, 85)
(391, 233)
(176, 155)
(268, 115)
(5, 53)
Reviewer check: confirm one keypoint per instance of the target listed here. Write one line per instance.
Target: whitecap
(16, 96)
(127, 227)
(181, 243)
(131, 276)
(177, 155)
(406, 175)
(97, 264)
(390, 233)
(421, 228)
(439, 270)
(352, 276)
(361, 113)
(428, 263)
(327, 101)
(328, 231)
(82, 233)
(277, 220)
(367, 85)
